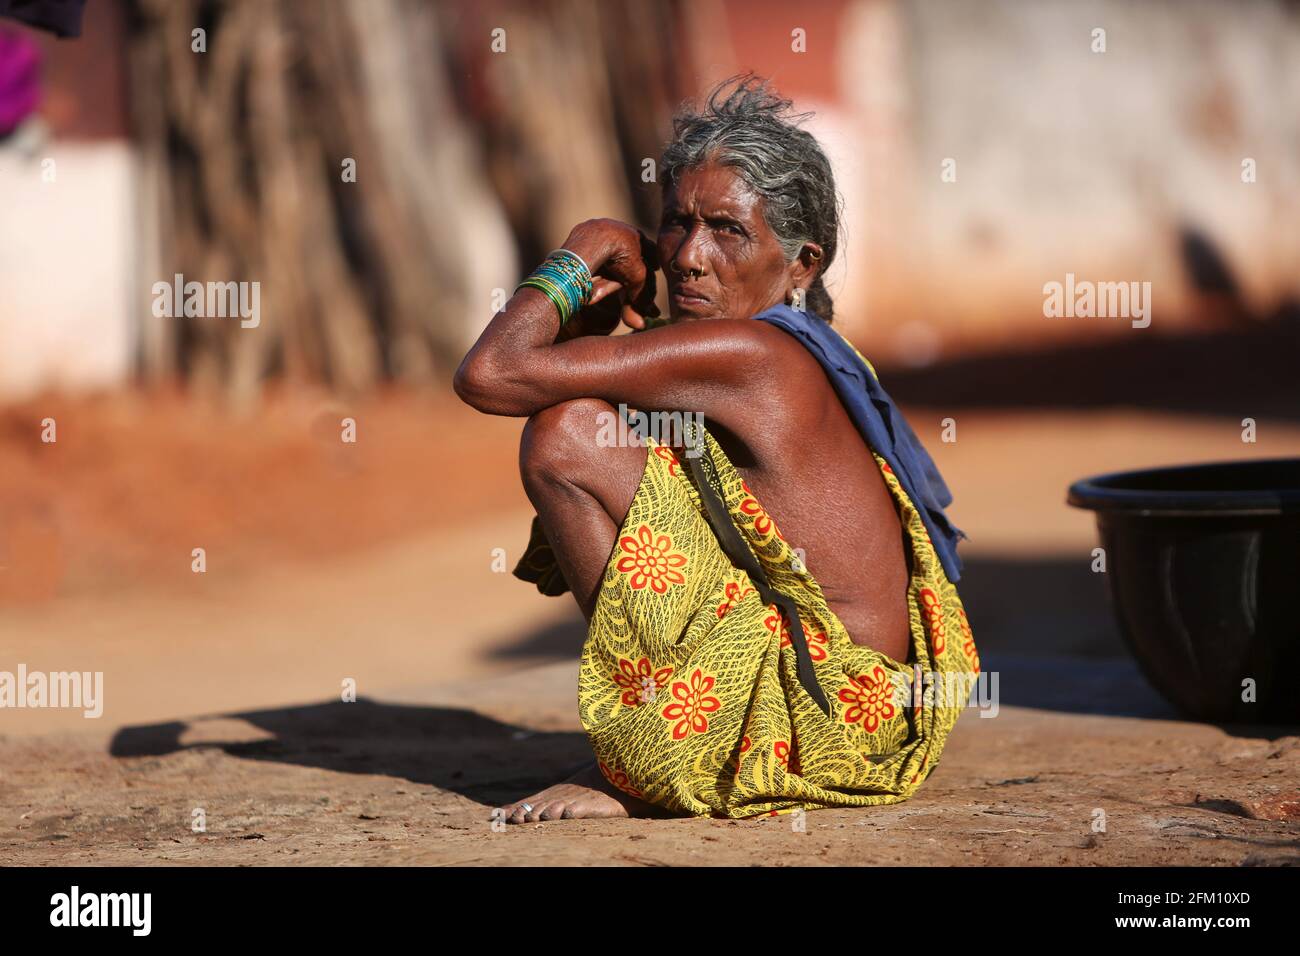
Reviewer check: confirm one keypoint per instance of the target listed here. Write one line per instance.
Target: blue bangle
(566, 281)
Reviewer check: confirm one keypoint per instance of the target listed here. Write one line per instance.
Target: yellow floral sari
(689, 687)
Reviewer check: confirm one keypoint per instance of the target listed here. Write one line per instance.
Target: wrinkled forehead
(712, 190)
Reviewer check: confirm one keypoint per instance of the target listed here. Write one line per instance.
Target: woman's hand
(623, 262)
(600, 318)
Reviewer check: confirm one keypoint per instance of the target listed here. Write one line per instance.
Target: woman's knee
(568, 449)
(558, 441)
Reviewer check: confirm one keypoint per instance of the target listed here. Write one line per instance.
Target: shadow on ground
(450, 748)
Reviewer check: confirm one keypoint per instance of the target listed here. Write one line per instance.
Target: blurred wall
(1123, 165)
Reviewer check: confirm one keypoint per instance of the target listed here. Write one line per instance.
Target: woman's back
(806, 463)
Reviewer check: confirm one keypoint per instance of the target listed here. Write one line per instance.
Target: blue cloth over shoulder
(881, 424)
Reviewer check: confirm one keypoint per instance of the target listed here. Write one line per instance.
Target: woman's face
(719, 256)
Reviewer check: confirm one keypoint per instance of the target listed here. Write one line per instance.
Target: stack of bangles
(565, 279)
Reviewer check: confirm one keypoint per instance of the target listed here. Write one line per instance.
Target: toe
(554, 811)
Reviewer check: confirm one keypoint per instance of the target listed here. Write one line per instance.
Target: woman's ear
(805, 268)
(808, 263)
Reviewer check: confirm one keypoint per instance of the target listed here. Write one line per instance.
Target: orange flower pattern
(818, 642)
(619, 779)
(763, 522)
(732, 596)
(650, 560)
(870, 698)
(932, 611)
(968, 640)
(786, 756)
(745, 744)
(692, 704)
(666, 453)
(640, 683)
(774, 620)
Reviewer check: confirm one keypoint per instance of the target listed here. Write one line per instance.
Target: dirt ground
(374, 562)
(380, 782)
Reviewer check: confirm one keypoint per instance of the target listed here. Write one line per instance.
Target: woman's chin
(691, 313)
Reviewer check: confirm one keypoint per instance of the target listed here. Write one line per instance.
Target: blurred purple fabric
(20, 80)
(60, 17)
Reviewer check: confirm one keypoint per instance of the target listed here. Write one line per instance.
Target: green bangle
(565, 280)
(546, 289)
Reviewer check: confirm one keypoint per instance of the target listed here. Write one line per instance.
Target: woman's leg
(581, 491)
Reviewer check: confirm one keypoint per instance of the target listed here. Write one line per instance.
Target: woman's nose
(689, 257)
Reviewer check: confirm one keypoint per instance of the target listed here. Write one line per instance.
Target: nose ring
(673, 266)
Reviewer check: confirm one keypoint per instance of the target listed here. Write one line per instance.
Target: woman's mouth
(685, 299)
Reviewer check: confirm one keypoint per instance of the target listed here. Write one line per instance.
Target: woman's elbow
(488, 390)
(473, 383)
(467, 381)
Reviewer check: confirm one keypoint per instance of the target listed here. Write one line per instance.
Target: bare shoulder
(733, 341)
(766, 386)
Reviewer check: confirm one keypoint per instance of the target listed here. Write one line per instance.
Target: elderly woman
(769, 596)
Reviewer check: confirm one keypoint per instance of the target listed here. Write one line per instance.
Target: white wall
(66, 265)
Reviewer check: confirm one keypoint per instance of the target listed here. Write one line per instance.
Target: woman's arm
(717, 367)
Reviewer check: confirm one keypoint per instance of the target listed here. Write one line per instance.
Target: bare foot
(585, 795)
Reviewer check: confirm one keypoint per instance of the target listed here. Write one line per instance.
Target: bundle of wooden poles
(457, 117)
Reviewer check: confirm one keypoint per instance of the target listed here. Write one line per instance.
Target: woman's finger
(649, 252)
(632, 319)
(644, 299)
(602, 287)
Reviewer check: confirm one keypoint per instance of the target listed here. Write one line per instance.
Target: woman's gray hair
(753, 130)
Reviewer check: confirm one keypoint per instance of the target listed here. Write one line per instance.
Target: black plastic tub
(1204, 570)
